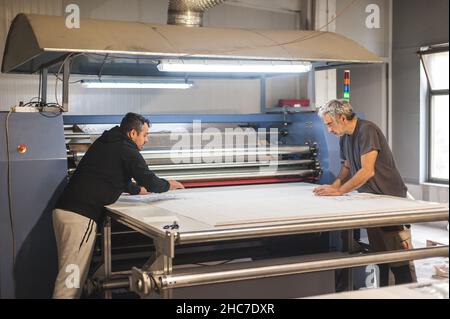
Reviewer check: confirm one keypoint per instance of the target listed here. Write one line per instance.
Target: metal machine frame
(157, 275)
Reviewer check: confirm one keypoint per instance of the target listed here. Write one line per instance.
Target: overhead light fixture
(136, 84)
(210, 66)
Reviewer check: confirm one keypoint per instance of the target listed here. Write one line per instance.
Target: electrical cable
(40, 84)
(9, 182)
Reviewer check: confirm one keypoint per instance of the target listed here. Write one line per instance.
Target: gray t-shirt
(368, 137)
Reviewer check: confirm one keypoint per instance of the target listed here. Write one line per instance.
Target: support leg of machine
(348, 247)
(107, 253)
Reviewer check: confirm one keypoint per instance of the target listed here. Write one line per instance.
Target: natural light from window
(439, 137)
(437, 69)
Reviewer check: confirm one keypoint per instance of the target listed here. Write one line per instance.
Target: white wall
(416, 23)
(368, 92)
(325, 80)
(368, 82)
(352, 23)
(208, 96)
(432, 193)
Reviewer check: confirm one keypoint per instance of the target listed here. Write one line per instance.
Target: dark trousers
(381, 240)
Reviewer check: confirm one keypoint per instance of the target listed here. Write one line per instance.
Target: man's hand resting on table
(175, 185)
(327, 190)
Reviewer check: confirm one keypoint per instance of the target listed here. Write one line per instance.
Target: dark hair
(133, 121)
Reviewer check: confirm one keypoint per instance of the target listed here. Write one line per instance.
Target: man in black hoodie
(104, 173)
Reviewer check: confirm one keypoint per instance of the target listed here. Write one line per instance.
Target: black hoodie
(104, 173)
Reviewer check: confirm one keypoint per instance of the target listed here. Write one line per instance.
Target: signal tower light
(347, 85)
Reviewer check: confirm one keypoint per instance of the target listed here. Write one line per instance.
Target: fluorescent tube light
(233, 67)
(136, 84)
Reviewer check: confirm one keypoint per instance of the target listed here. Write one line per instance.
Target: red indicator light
(22, 148)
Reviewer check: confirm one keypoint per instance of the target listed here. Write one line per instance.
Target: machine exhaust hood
(119, 48)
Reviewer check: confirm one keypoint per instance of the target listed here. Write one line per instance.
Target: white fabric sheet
(259, 204)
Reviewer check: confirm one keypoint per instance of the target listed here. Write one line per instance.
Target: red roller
(244, 182)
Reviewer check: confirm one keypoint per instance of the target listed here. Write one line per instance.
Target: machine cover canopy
(37, 41)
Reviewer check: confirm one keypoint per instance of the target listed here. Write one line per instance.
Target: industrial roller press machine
(246, 226)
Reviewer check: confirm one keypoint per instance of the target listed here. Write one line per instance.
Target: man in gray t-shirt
(368, 167)
(367, 138)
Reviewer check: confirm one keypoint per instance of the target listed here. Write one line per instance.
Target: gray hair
(336, 108)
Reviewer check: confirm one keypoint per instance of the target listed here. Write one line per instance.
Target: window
(436, 64)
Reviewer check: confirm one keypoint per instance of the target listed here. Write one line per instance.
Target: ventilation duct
(189, 12)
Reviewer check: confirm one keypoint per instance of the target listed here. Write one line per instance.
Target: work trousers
(381, 240)
(75, 239)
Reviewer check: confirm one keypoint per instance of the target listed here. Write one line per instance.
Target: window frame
(430, 178)
(432, 93)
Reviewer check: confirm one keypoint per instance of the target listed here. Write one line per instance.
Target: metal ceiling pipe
(189, 12)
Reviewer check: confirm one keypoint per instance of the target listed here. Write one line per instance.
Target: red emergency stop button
(22, 148)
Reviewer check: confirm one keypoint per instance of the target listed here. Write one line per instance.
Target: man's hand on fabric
(322, 187)
(175, 185)
(327, 190)
(143, 191)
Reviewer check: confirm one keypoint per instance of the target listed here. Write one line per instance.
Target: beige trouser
(75, 239)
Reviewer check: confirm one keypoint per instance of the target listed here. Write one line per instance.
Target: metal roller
(237, 175)
(162, 168)
(229, 273)
(239, 161)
